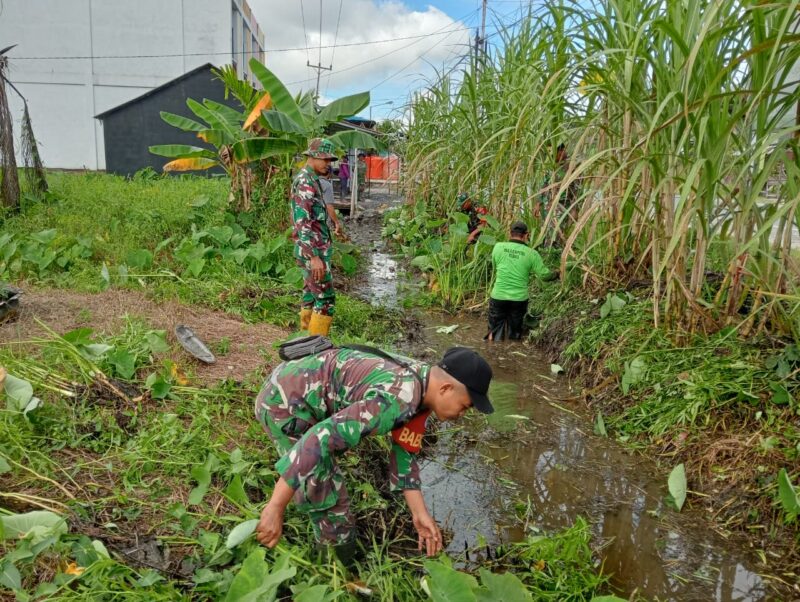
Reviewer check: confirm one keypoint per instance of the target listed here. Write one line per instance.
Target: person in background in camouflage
(324, 404)
(475, 212)
(313, 243)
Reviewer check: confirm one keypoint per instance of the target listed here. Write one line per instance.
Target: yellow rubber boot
(320, 324)
(305, 318)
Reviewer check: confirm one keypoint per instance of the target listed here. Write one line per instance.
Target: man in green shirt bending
(514, 262)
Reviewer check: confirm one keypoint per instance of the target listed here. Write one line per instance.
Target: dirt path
(249, 353)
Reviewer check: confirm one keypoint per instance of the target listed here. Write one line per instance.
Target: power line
(177, 55)
(319, 67)
(335, 38)
(305, 35)
(484, 38)
(399, 71)
(376, 58)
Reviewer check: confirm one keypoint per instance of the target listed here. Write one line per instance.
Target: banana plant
(284, 121)
(220, 126)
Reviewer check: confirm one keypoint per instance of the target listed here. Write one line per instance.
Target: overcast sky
(437, 34)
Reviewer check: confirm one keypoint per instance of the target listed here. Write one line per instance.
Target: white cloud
(356, 68)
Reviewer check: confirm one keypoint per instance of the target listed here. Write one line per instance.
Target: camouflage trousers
(323, 495)
(318, 296)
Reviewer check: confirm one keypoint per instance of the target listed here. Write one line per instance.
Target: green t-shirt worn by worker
(514, 262)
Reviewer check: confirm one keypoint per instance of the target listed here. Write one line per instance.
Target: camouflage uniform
(312, 237)
(476, 215)
(323, 404)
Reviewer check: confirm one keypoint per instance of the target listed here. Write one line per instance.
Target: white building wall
(64, 94)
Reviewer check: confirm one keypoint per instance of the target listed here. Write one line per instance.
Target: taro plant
(40, 253)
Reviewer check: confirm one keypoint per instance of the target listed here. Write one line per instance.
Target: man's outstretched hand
(430, 538)
(270, 526)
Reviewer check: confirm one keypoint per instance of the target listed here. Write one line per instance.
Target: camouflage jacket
(310, 231)
(341, 396)
(475, 214)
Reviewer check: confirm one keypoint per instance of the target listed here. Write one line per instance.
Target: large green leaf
(504, 587)
(677, 485)
(255, 149)
(342, 107)
(356, 139)
(182, 123)
(254, 583)
(19, 393)
(281, 99)
(229, 114)
(214, 137)
(281, 122)
(790, 500)
(217, 122)
(449, 585)
(240, 533)
(184, 151)
(9, 575)
(38, 523)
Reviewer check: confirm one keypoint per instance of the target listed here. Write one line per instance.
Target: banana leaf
(255, 149)
(182, 123)
(281, 99)
(184, 151)
(356, 139)
(342, 107)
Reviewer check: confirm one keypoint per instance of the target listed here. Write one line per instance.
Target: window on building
(236, 25)
(246, 54)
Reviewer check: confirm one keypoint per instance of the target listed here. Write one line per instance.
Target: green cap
(321, 148)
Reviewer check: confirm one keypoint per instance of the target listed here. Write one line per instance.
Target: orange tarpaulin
(383, 168)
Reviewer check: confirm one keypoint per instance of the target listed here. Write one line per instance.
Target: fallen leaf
(74, 569)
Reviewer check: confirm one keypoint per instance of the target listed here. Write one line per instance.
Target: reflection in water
(382, 280)
(567, 472)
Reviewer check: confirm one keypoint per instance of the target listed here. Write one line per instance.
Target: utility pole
(483, 25)
(480, 35)
(320, 69)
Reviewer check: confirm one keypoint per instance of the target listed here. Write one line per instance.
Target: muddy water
(565, 471)
(539, 448)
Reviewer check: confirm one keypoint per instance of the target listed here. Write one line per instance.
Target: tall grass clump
(680, 123)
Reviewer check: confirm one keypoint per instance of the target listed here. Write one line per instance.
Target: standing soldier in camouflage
(318, 406)
(313, 244)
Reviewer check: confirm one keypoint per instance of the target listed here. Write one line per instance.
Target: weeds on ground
(122, 479)
(174, 238)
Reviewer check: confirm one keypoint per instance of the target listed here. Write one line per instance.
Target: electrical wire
(377, 58)
(335, 38)
(294, 49)
(305, 35)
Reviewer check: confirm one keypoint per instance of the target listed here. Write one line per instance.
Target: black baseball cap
(519, 228)
(472, 371)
